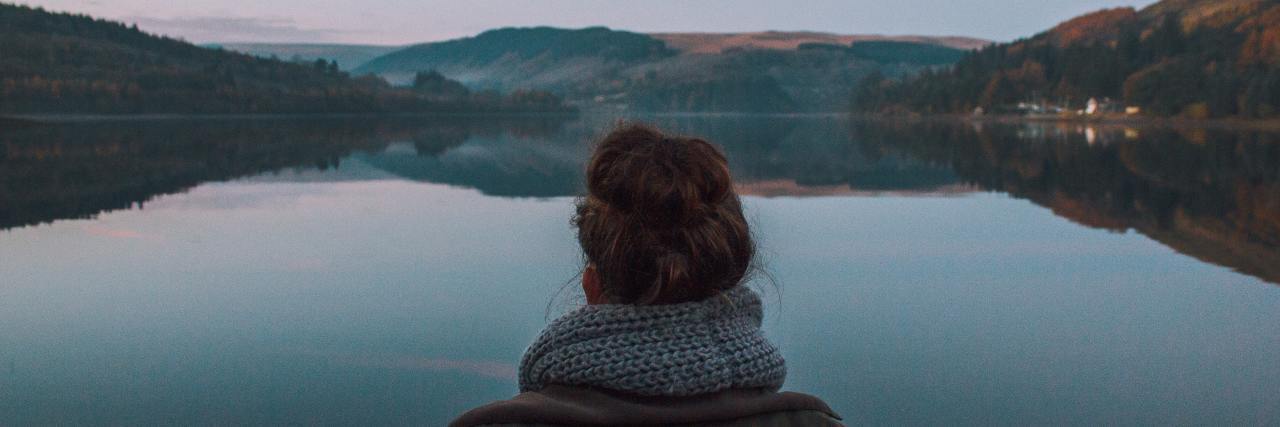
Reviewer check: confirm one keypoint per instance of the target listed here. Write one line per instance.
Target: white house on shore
(1092, 107)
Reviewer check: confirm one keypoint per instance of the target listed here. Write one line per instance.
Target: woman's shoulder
(565, 405)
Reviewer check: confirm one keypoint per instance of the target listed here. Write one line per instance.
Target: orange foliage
(1268, 18)
(1208, 13)
(1259, 209)
(1262, 46)
(1084, 212)
(1031, 73)
(1100, 26)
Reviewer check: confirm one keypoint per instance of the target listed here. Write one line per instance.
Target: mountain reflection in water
(1211, 194)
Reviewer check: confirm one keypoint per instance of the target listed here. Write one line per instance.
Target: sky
(394, 22)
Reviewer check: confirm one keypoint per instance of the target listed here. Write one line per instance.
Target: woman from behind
(669, 335)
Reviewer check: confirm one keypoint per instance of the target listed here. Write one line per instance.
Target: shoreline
(77, 117)
(35, 119)
(11, 120)
(1141, 121)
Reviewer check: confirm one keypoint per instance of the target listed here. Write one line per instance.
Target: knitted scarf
(661, 350)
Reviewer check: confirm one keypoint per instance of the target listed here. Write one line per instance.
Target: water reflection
(71, 171)
(78, 170)
(1209, 193)
(1212, 194)
(336, 280)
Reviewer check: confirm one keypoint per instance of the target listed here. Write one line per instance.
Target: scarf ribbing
(660, 350)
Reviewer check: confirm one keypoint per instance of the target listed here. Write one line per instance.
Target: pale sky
(411, 21)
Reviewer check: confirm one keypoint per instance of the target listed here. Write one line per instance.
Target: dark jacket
(571, 406)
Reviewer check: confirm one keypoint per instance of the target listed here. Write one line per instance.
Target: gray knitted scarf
(662, 350)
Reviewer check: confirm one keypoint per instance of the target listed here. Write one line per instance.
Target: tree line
(1160, 65)
(63, 63)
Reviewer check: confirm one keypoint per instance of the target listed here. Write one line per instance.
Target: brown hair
(661, 222)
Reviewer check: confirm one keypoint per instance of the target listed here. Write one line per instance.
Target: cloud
(206, 29)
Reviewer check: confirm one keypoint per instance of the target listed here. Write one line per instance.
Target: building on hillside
(1092, 107)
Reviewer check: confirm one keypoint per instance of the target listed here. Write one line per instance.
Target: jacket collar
(565, 405)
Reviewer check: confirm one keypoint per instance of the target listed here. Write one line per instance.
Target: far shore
(9, 122)
(1109, 121)
(13, 120)
(62, 118)
(77, 117)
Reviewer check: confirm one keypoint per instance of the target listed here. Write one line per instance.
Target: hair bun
(660, 180)
(661, 223)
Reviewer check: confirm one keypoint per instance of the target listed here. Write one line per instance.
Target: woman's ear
(591, 285)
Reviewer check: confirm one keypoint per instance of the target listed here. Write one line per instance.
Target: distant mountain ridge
(531, 57)
(600, 67)
(789, 40)
(348, 56)
(352, 56)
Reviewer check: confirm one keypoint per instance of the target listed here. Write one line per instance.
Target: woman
(669, 334)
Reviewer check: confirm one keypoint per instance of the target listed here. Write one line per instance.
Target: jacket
(559, 405)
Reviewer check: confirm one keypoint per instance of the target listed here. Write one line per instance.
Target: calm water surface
(392, 271)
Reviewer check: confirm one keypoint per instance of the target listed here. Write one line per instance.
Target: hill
(348, 56)
(1188, 58)
(789, 40)
(603, 68)
(900, 52)
(542, 56)
(59, 63)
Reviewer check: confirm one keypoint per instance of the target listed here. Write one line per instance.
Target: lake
(391, 271)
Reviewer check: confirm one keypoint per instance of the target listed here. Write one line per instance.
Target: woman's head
(661, 223)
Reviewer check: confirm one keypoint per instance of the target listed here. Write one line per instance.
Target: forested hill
(1190, 58)
(544, 43)
(599, 67)
(73, 64)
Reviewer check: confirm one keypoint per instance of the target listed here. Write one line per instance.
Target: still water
(357, 271)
